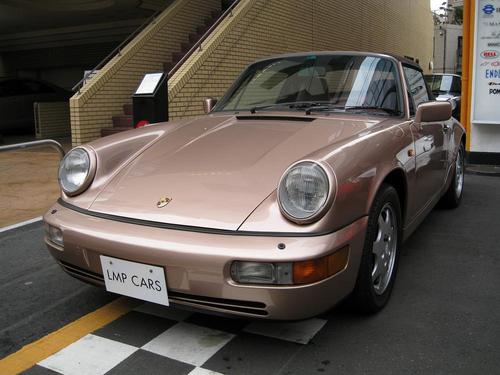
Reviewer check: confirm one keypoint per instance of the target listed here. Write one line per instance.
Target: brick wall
(93, 107)
(52, 120)
(260, 28)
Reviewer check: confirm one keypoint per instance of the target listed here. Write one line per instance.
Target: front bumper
(197, 265)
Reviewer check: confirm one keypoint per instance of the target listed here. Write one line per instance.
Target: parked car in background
(17, 96)
(447, 87)
(294, 192)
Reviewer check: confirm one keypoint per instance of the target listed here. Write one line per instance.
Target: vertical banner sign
(486, 76)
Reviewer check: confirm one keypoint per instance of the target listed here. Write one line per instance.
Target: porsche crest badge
(163, 202)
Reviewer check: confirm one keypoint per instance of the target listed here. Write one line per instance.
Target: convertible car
(294, 192)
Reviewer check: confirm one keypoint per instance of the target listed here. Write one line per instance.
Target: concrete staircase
(124, 122)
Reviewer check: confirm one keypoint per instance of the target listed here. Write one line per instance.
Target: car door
(430, 143)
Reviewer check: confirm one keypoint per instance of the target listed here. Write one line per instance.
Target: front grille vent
(247, 307)
(230, 305)
(80, 272)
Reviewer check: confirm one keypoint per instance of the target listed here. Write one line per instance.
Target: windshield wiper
(323, 107)
(290, 105)
(390, 111)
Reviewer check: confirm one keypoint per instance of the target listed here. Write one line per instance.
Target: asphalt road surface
(443, 318)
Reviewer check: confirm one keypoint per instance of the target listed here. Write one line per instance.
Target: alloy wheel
(459, 173)
(384, 249)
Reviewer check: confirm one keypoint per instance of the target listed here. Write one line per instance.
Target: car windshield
(317, 83)
(443, 84)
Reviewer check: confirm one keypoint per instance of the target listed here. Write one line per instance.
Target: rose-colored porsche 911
(294, 192)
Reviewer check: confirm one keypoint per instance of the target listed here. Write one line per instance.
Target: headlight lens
(303, 191)
(74, 170)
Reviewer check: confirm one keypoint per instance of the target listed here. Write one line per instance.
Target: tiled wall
(52, 120)
(261, 28)
(104, 95)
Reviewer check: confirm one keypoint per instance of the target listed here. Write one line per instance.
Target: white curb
(22, 223)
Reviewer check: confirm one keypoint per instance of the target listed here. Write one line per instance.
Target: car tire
(381, 249)
(453, 196)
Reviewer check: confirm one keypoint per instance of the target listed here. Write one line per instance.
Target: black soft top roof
(406, 61)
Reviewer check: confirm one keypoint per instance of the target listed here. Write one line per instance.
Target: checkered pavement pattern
(153, 339)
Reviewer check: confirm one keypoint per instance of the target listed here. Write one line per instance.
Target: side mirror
(209, 104)
(433, 112)
(453, 103)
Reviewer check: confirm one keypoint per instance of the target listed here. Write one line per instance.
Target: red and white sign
(490, 54)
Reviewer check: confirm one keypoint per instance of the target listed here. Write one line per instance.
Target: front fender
(113, 153)
(360, 165)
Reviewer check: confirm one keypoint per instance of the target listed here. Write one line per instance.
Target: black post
(150, 103)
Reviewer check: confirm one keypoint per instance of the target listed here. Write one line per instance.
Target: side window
(418, 88)
(456, 85)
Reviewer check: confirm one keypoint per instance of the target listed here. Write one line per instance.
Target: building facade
(448, 41)
(58, 41)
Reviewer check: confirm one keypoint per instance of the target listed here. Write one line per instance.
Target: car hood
(216, 170)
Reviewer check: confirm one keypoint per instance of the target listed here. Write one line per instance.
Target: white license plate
(136, 280)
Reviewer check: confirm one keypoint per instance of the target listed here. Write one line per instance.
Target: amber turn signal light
(311, 271)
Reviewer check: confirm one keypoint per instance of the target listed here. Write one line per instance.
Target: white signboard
(137, 280)
(149, 83)
(486, 75)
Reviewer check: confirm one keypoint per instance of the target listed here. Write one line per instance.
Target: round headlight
(303, 191)
(74, 171)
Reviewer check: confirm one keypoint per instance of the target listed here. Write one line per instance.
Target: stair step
(109, 131)
(177, 56)
(202, 29)
(128, 109)
(122, 121)
(194, 37)
(185, 47)
(215, 13)
(168, 66)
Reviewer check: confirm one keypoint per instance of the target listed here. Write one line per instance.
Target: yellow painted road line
(43, 348)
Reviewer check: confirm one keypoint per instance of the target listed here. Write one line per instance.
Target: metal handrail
(116, 51)
(44, 142)
(198, 44)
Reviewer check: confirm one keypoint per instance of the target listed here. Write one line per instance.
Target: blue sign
(488, 9)
(492, 73)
